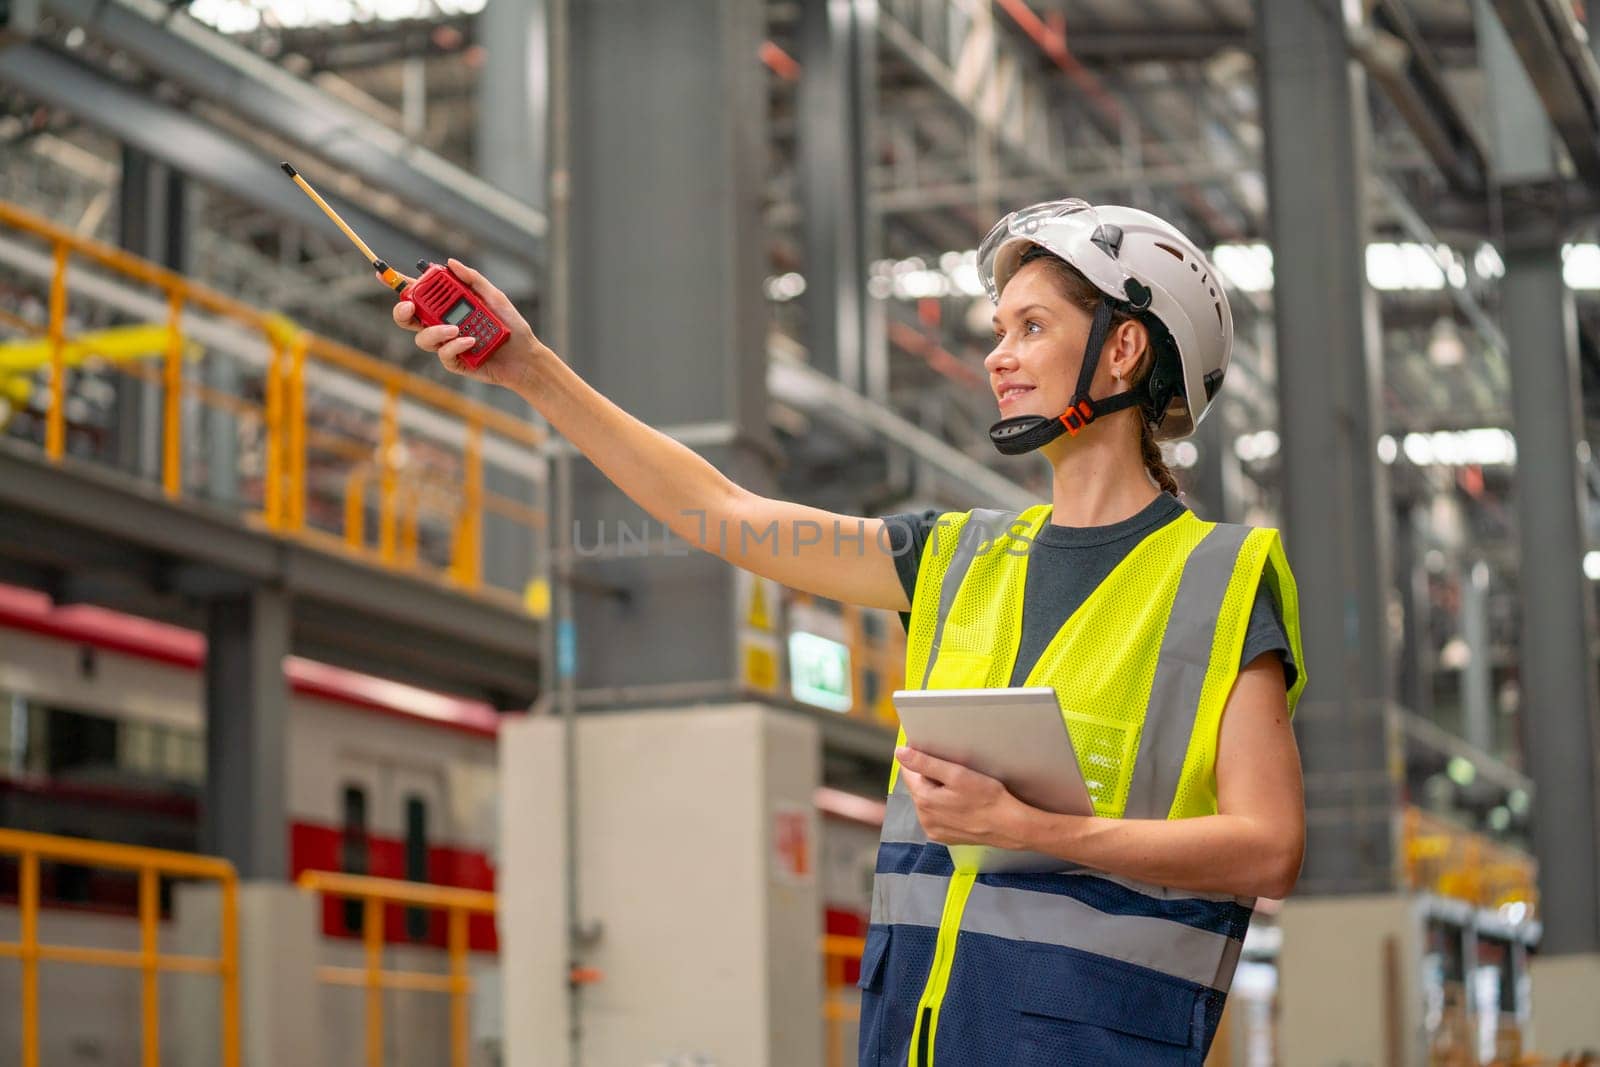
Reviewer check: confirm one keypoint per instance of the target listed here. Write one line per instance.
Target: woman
(1172, 644)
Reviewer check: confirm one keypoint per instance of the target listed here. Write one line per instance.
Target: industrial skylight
(242, 16)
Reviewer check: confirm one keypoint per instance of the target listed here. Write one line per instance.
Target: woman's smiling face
(1039, 337)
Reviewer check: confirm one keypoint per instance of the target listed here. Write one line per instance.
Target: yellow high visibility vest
(1142, 669)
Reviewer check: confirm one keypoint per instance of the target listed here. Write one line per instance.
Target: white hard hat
(1143, 264)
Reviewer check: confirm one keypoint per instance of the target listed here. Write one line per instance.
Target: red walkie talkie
(440, 298)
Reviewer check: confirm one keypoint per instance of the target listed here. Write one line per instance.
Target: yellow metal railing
(1453, 862)
(150, 864)
(837, 952)
(451, 486)
(374, 894)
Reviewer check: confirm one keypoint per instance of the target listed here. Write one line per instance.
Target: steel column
(833, 108)
(1414, 672)
(512, 136)
(1335, 491)
(1477, 679)
(512, 132)
(669, 321)
(153, 222)
(246, 812)
(1558, 680)
(1211, 485)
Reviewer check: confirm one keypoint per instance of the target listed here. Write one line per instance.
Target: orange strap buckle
(1077, 417)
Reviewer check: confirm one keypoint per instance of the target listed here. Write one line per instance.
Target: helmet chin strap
(1021, 434)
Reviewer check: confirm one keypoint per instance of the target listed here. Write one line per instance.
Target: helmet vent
(1220, 323)
(1175, 253)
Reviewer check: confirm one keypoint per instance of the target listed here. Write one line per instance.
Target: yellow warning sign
(760, 668)
(758, 617)
(536, 598)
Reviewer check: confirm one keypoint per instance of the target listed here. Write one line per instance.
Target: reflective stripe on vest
(1181, 672)
(1194, 937)
(1189, 947)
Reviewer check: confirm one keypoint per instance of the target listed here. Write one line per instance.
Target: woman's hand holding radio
(509, 366)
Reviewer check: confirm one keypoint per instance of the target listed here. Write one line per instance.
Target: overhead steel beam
(1167, 45)
(815, 393)
(1417, 228)
(1156, 44)
(1401, 62)
(186, 143)
(209, 65)
(898, 199)
(904, 43)
(1564, 74)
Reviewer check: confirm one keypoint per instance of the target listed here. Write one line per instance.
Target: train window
(139, 742)
(416, 861)
(869, 688)
(353, 848)
(80, 743)
(14, 734)
(871, 627)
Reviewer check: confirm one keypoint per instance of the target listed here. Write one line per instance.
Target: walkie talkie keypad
(440, 296)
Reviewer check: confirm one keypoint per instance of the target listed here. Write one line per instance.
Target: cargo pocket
(870, 984)
(1072, 1010)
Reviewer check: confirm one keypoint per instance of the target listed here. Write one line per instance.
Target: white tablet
(1016, 735)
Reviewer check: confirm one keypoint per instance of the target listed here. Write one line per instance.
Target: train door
(417, 802)
(359, 803)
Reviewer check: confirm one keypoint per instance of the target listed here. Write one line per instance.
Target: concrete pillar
(1335, 493)
(279, 998)
(245, 816)
(1566, 989)
(667, 318)
(699, 869)
(1559, 700)
(1349, 989)
(533, 886)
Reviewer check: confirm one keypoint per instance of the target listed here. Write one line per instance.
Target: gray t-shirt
(1066, 564)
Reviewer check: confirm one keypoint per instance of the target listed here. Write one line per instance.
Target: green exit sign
(819, 671)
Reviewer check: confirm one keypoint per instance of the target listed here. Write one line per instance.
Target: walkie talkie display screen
(457, 313)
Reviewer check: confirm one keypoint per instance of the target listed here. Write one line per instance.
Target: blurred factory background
(750, 224)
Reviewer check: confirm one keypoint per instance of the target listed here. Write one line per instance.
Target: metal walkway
(168, 445)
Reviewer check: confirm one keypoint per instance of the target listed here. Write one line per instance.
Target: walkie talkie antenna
(391, 277)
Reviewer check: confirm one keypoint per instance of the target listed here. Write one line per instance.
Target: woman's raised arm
(844, 557)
